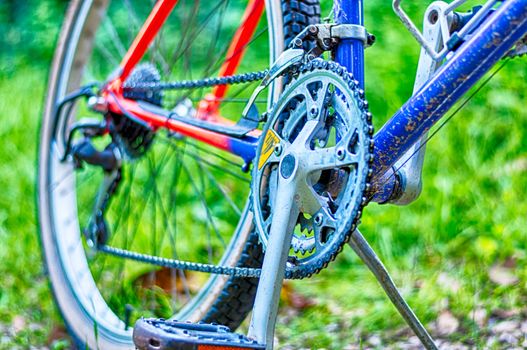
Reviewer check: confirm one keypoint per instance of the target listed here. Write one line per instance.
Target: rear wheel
(173, 198)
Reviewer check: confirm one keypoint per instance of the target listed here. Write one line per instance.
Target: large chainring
(324, 108)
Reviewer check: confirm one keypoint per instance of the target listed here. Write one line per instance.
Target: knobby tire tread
(237, 298)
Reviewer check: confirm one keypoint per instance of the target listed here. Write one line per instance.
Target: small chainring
(324, 102)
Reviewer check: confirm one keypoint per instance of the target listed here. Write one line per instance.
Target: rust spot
(410, 126)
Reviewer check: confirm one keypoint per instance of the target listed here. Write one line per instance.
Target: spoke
(220, 188)
(145, 198)
(193, 35)
(116, 40)
(107, 55)
(205, 206)
(221, 57)
(132, 20)
(186, 24)
(209, 163)
(214, 42)
(153, 231)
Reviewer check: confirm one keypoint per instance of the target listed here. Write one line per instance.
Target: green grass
(24, 291)
(471, 215)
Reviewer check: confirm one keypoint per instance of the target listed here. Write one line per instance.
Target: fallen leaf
(505, 327)
(505, 314)
(58, 332)
(523, 327)
(516, 166)
(510, 262)
(479, 316)
(447, 323)
(502, 275)
(294, 299)
(170, 280)
(507, 338)
(18, 323)
(448, 283)
(375, 340)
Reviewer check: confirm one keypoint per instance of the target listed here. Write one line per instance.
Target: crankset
(320, 134)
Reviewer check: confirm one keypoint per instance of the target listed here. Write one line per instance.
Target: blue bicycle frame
(488, 44)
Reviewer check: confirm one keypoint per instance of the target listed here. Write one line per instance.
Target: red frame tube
(208, 107)
(239, 42)
(151, 27)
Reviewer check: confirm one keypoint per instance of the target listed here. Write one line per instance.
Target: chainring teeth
(307, 255)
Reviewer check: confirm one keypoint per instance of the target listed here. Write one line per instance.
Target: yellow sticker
(268, 147)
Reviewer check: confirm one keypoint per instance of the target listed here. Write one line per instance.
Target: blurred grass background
(471, 216)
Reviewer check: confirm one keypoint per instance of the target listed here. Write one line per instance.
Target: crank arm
(273, 269)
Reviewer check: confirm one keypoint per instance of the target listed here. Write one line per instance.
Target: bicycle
(314, 165)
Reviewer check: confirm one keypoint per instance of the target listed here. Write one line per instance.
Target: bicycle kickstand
(368, 256)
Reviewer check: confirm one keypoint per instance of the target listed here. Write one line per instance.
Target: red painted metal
(151, 27)
(208, 107)
(118, 104)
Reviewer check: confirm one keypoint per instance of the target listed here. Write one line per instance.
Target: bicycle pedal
(160, 334)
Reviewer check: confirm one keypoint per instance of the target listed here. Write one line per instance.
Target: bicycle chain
(200, 83)
(180, 264)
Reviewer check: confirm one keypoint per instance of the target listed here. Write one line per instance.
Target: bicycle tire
(225, 300)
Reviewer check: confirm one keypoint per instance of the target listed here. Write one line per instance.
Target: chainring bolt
(313, 112)
(318, 219)
(341, 153)
(278, 150)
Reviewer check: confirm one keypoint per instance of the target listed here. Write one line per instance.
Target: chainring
(338, 155)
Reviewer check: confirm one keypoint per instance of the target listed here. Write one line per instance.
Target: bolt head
(313, 112)
(318, 219)
(341, 153)
(278, 149)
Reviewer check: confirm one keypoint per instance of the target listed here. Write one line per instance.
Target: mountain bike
(154, 163)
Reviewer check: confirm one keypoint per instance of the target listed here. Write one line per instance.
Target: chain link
(180, 264)
(200, 83)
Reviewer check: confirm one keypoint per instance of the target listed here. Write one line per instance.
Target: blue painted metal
(350, 52)
(244, 148)
(470, 62)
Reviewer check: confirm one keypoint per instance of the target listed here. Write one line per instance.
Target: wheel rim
(63, 204)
